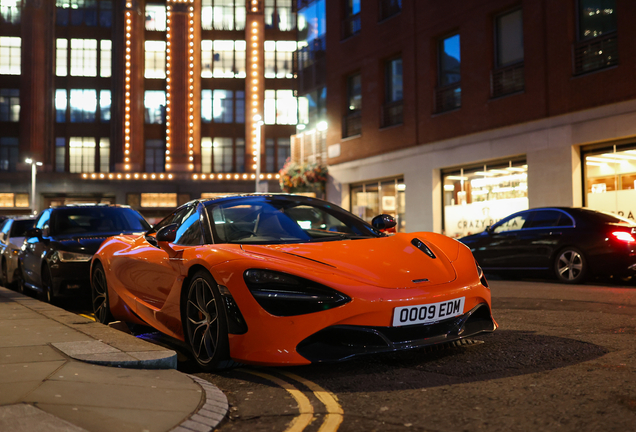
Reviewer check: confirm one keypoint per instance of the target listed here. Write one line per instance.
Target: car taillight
(624, 236)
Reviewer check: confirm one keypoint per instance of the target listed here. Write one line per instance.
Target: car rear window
(88, 220)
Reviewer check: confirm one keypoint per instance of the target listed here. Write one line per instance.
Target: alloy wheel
(99, 291)
(47, 285)
(4, 281)
(570, 266)
(203, 321)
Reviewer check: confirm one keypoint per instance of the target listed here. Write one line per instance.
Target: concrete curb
(210, 414)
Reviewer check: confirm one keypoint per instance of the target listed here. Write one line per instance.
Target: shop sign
(621, 202)
(463, 220)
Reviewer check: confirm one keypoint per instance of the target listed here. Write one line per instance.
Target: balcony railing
(352, 124)
(392, 113)
(598, 53)
(507, 80)
(351, 26)
(388, 8)
(448, 97)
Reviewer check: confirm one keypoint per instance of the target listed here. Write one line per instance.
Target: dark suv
(55, 257)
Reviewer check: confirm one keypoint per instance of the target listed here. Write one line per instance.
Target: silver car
(11, 238)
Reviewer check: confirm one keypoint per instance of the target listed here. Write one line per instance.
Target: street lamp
(34, 164)
(259, 124)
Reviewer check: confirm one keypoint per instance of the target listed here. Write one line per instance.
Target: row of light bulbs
(163, 176)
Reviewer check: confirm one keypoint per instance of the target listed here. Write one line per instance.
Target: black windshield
(270, 220)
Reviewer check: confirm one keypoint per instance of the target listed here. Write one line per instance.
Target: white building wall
(551, 146)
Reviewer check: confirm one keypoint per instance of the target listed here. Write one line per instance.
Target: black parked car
(573, 243)
(55, 258)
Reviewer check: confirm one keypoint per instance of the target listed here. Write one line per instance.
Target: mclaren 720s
(279, 279)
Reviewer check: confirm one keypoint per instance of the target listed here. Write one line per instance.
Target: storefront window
(478, 196)
(610, 180)
(383, 197)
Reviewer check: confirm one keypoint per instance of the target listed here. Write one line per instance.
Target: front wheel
(205, 325)
(570, 266)
(4, 278)
(99, 295)
(47, 285)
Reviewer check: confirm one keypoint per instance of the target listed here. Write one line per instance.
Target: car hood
(388, 262)
(83, 244)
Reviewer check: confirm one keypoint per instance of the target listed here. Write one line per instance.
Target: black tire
(4, 277)
(46, 285)
(204, 322)
(99, 295)
(570, 266)
(19, 280)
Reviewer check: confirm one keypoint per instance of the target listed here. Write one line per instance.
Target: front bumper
(342, 342)
(71, 279)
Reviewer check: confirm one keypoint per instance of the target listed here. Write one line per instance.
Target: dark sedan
(573, 243)
(55, 258)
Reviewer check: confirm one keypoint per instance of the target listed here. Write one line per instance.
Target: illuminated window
(222, 106)
(281, 107)
(279, 15)
(10, 55)
(155, 17)
(83, 57)
(155, 59)
(279, 59)
(8, 153)
(105, 52)
(61, 57)
(223, 155)
(223, 59)
(219, 155)
(223, 14)
(159, 200)
(84, 12)
(104, 105)
(83, 104)
(61, 103)
(10, 200)
(155, 153)
(9, 105)
(81, 154)
(155, 104)
(104, 155)
(10, 11)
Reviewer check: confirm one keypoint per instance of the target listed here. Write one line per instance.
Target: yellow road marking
(335, 414)
(88, 316)
(305, 408)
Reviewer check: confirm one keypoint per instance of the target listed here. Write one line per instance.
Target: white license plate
(428, 313)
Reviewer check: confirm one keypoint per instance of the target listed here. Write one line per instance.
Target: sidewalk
(63, 372)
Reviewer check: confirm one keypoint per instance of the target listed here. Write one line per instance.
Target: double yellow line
(334, 415)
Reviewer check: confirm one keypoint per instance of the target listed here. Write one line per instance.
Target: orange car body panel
(145, 284)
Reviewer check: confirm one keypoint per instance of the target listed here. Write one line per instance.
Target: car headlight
(282, 294)
(73, 257)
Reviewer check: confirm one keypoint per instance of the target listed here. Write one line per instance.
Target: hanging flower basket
(303, 177)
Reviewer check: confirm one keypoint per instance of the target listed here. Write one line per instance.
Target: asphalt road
(563, 359)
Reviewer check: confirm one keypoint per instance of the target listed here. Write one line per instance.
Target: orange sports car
(289, 280)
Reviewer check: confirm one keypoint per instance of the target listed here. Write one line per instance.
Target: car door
(541, 236)
(500, 248)
(33, 250)
(157, 270)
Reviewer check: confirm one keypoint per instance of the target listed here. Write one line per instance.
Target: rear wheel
(205, 325)
(99, 294)
(570, 266)
(19, 280)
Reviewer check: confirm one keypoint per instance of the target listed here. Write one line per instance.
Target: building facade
(146, 103)
(451, 115)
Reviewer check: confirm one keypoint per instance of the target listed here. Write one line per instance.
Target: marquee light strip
(191, 88)
(127, 98)
(168, 85)
(164, 176)
(256, 61)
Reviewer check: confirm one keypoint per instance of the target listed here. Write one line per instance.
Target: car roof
(230, 197)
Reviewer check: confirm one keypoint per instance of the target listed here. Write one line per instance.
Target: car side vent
(422, 246)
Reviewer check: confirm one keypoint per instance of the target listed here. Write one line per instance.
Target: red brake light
(624, 236)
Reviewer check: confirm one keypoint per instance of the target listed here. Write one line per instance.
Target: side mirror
(167, 233)
(33, 232)
(489, 229)
(383, 221)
